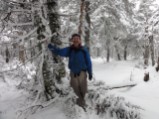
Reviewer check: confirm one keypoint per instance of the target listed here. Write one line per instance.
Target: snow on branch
(27, 35)
(107, 104)
(20, 24)
(22, 64)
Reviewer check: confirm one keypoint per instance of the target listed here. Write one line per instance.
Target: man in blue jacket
(79, 64)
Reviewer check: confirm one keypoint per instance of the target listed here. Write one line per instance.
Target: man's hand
(90, 77)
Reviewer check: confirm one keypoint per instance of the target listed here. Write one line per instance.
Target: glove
(90, 77)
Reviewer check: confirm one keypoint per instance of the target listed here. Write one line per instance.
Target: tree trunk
(22, 54)
(81, 19)
(157, 68)
(7, 55)
(117, 52)
(125, 52)
(147, 52)
(87, 27)
(146, 55)
(32, 52)
(40, 30)
(151, 40)
(146, 77)
(55, 27)
(108, 49)
(45, 73)
(108, 54)
(98, 51)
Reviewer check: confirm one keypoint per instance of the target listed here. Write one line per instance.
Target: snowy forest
(122, 37)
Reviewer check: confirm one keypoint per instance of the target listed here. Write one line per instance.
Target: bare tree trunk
(151, 40)
(146, 77)
(108, 54)
(32, 51)
(87, 27)
(80, 28)
(15, 51)
(157, 68)
(117, 51)
(146, 55)
(147, 47)
(125, 52)
(108, 49)
(98, 52)
(22, 54)
(7, 55)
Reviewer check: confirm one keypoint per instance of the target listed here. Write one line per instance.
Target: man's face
(76, 41)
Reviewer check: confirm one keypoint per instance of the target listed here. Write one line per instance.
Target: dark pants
(79, 85)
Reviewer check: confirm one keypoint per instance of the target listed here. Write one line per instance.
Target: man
(79, 64)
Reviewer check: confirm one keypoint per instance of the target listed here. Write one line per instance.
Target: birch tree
(88, 25)
(81, 18)
(54, 24)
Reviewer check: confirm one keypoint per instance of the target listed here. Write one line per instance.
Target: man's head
(76, 40)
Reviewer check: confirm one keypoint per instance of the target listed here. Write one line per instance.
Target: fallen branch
(124, 86)
(116, 87)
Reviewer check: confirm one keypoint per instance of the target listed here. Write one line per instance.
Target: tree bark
(146, 55)
(32, 51)
(40, 78)
(98, 51)
(87, 27)
(108, 49)
(146, 77)
(151, 40)
(147, 48)
(117, 52)
(108, 54)
(125, 52)
(7, 54)
(81, 19)
(157, 68)
(22, 54)
(53, 16)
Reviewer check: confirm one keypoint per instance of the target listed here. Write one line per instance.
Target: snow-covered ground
(145, 94)
(115, 73)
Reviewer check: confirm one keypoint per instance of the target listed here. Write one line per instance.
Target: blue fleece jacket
(79, 59)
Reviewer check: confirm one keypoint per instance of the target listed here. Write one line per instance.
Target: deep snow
(115, 73)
